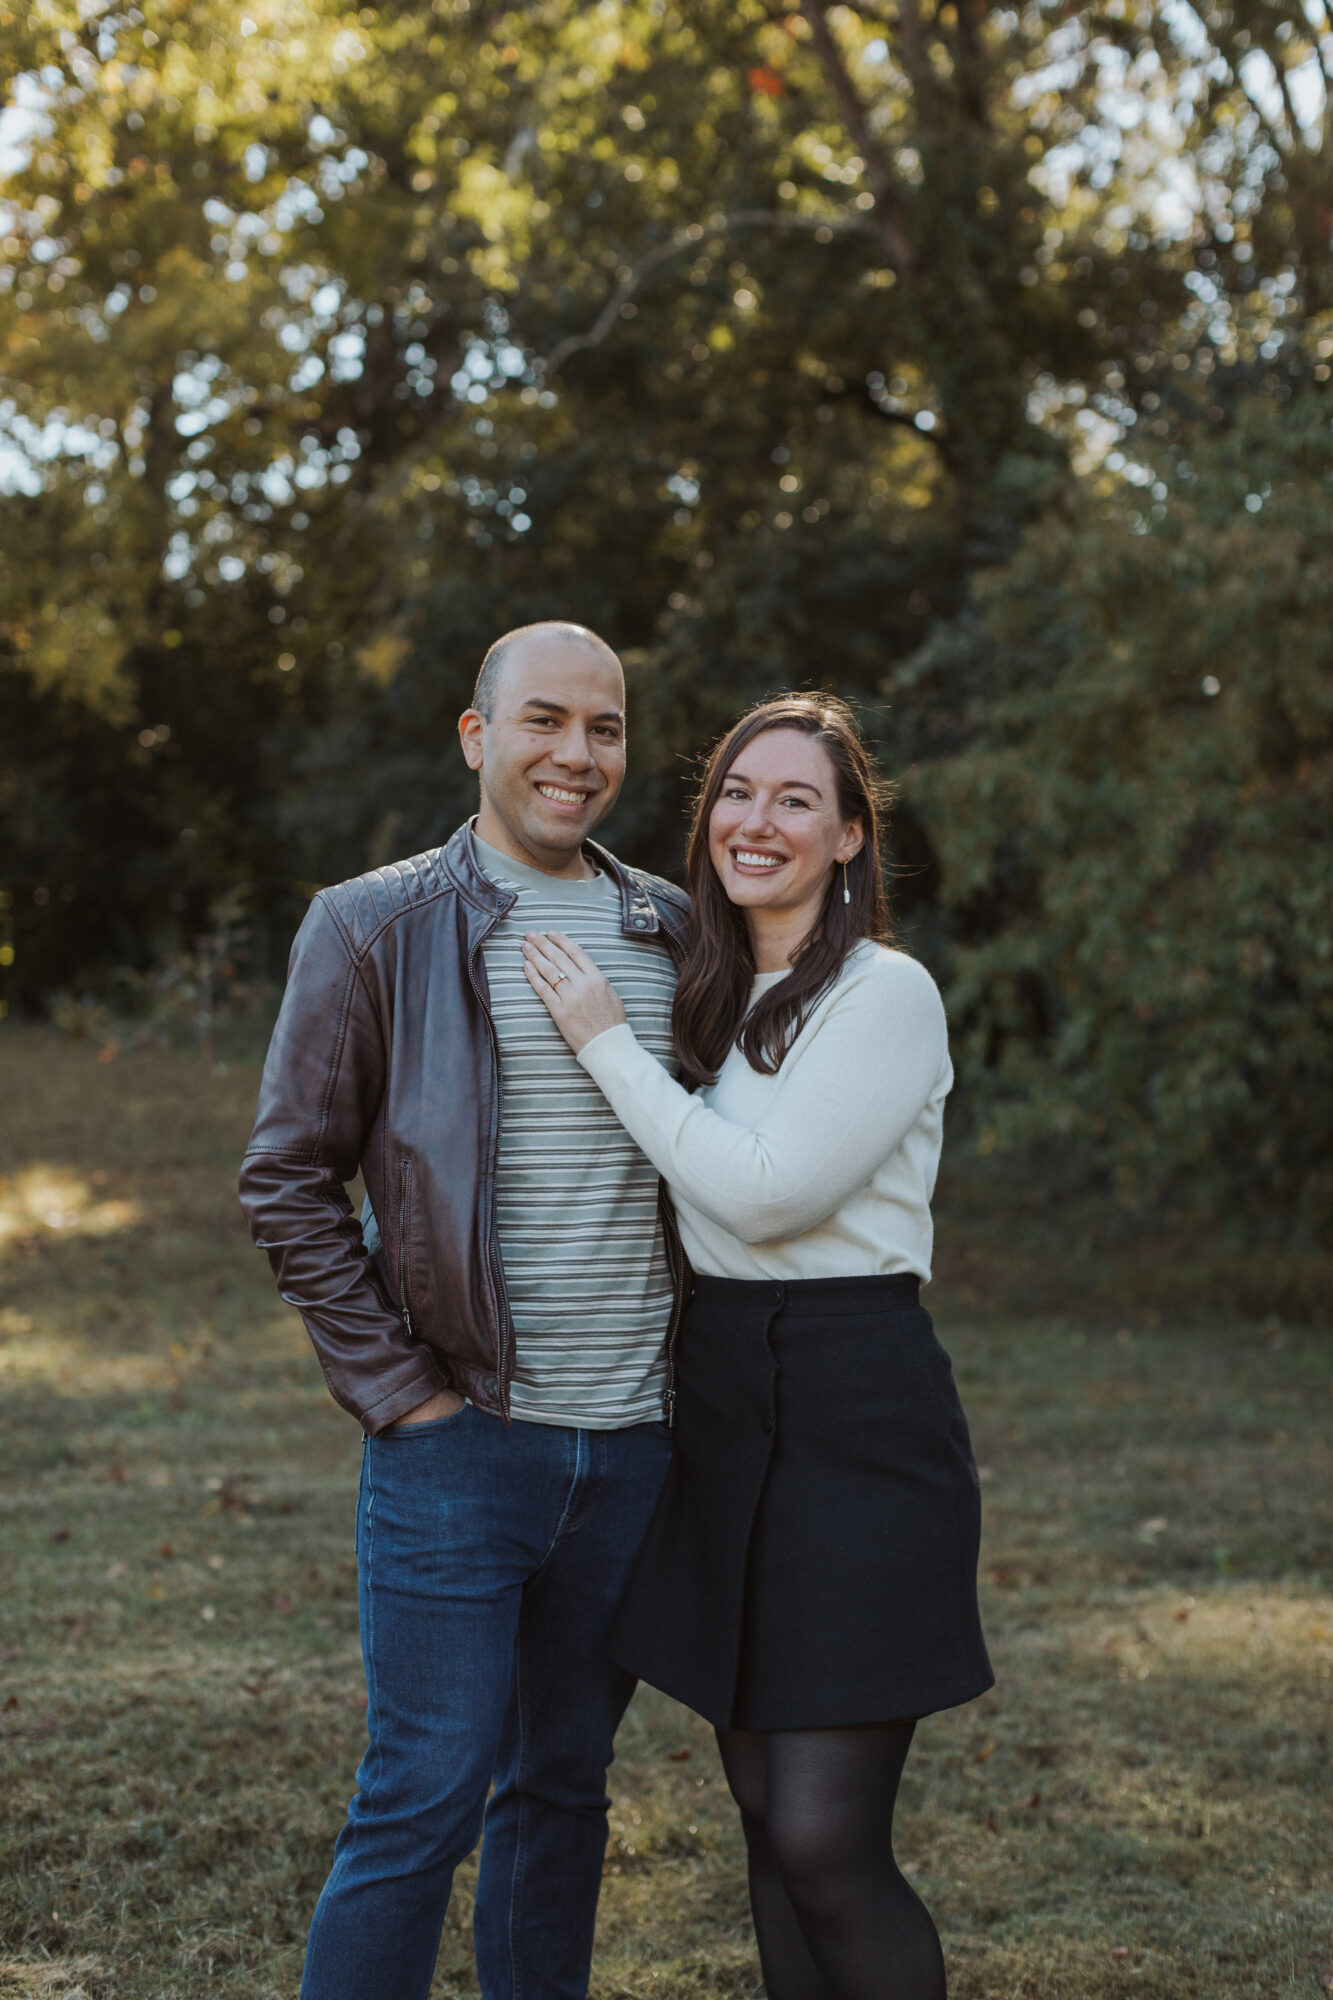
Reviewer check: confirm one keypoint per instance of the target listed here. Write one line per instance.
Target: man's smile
(561, 796)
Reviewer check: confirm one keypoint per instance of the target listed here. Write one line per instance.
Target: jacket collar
(638, 913)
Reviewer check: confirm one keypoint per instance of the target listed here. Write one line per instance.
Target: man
(506, 1348)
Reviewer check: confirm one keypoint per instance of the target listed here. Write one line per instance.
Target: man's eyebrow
(558, 708)
(787, 785)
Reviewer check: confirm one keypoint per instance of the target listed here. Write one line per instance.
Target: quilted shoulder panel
(366, 903)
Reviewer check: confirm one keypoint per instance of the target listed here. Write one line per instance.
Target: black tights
(834, 1917)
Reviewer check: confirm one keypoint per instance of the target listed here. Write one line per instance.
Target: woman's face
(775, 834)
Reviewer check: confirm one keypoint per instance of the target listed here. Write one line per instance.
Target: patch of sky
(21, 121)
(275, 481)
(1306, 87)
(26, 447)
(346, 353)
(298, 202)
(485, 365)
(191, 386)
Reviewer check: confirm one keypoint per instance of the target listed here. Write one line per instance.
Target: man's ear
(471, 725)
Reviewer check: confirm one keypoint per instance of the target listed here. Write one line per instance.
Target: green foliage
(336, 341)
(1137, 845)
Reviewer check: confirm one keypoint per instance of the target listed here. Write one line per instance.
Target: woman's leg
(834, 1916)
(789, 1971)
(829, 1796)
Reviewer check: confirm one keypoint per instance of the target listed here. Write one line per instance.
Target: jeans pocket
(427, 1429)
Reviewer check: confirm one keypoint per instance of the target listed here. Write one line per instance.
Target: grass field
(1141, 1807)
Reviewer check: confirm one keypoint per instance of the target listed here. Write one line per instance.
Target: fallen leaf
(166, 1550)
(1121, 1951)
(60, 1535)
(678, 1756)
(993, 1824)
(11, 1701)
(986, 1751)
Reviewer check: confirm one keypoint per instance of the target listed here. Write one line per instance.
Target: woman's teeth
(561, 797)
(746, 860)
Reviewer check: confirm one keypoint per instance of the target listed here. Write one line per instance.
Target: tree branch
(893, 230)
(861, 394)
(682, 240)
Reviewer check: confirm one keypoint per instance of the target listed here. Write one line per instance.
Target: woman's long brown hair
(718, 972)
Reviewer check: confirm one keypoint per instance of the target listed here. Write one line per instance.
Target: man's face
(552, 756)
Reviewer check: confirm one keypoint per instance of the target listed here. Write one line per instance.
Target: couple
(631, 1324)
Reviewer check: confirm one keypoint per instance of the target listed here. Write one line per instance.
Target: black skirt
(813, 1560)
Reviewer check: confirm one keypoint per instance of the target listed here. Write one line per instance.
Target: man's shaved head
(546, 736)
(492, 667)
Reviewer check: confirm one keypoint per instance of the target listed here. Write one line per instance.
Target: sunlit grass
(1139, 1807)
(51, 1198)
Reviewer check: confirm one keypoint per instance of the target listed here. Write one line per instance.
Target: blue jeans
(491, 1559)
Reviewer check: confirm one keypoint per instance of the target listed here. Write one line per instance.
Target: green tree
(337, 339)
(1137, 845)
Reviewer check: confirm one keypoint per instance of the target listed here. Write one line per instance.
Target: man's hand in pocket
(446, 1404)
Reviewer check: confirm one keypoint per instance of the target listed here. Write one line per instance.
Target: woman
(809, 1581)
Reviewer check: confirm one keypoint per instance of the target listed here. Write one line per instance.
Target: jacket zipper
(405, 1178)
(506, 1327)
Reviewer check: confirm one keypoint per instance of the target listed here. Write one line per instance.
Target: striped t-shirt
(576, 1201)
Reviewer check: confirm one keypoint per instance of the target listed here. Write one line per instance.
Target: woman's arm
(843, 1102)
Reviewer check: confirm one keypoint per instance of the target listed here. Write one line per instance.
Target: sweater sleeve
(847, 1096)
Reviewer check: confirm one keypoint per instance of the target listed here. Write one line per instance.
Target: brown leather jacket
(384, 1058)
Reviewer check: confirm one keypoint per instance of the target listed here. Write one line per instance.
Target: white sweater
(823, 1171)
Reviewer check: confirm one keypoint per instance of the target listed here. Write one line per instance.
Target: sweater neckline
(763, 980)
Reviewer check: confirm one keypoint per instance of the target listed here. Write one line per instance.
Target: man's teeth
(746, 860)
(565, 798)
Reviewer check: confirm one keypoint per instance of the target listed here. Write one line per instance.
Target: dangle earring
(846, 892)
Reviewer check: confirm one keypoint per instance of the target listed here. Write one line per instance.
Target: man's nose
(574, 750)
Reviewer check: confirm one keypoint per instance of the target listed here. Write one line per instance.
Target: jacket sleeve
(321, 1089)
